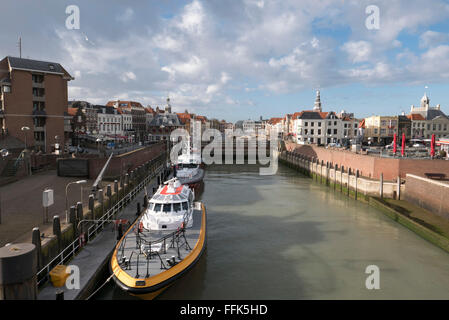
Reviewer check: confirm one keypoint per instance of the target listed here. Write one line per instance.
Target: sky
(242, 59)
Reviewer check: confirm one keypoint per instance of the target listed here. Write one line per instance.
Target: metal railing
(73, 248)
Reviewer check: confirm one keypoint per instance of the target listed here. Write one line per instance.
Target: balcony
(39, 113)
(38, 84)
(38, 98)
(39, 129)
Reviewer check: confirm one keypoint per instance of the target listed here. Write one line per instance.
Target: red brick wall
(19, 102)
(370, 166)
(428, 194)
(55, 105)
(125, 162)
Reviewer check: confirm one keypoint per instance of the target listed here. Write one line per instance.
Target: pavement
(21, 204)
(95, 254)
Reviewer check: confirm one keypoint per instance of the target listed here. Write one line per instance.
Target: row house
(318, 127)
(33, 102)
(110, 121)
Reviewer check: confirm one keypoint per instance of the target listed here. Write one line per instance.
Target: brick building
(33, 95)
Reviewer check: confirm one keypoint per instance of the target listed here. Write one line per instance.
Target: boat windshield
(157, 207)
(167, 207)
(188, 166)
(176, 207)
(185, 206)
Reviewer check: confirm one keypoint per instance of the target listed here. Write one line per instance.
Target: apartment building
(34, 98)
(381, 129)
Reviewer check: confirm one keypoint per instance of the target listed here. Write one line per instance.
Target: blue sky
(241, 59)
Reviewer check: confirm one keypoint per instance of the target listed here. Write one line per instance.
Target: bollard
(116, 190)
(18, 283)
(72, 215)
(342, 169)
(109, 195)
(399, 188)
(36, 240)
(59, 294)
(92, 205)
(126, 180)
(349, 181)
(57, 230)
(79, 211)
(381, 186)
(73, 218)
(356, 178)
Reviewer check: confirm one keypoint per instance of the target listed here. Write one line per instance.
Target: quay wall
(343, 179)
(372, 166)
(429, 194)
(125, 162)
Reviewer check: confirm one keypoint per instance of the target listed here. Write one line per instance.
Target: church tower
(168, 107)
(317, 107)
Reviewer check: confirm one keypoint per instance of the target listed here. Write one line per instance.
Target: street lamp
(3, 153)
(25, 129)
(66, 200)
(98, 145)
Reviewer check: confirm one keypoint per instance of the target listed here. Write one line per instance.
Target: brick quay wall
(372, 166)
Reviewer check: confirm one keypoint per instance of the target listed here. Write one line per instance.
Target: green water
(287, 237)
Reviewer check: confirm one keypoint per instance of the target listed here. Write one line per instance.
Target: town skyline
(245, 59)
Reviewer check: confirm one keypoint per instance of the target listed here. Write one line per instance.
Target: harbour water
(287, 237)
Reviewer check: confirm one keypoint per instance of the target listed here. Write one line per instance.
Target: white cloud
(192, 18)
(432, 38)
(126, 16)
(358, 51)
(191, 67)
(128, 76)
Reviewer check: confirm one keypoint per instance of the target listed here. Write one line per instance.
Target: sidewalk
(94, 256)
(21, 204)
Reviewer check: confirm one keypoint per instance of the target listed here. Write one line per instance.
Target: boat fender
(140, 227)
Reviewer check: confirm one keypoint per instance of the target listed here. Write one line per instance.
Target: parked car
(418, 145)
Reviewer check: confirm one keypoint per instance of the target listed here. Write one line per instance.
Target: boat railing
(74, 247)
(173, 239)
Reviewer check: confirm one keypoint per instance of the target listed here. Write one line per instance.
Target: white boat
(188, 169)
(163, 244)
(171, 205)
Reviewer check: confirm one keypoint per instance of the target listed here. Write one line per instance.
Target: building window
(312, 123)
(319, 131)
(319, 124)
(335, 131)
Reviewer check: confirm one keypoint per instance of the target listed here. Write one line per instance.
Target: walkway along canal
(288, 237)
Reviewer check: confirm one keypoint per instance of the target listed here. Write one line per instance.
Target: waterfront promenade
(21, 204)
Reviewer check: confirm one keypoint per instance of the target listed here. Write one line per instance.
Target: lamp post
(3, 153)
(98, 145)
(66, 200)
(25, 129)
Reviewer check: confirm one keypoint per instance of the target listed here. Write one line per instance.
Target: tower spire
(317, 106)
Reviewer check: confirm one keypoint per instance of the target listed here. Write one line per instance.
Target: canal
(287, 237)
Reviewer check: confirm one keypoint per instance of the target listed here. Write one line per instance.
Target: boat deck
(143, 255)
(193, 179)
